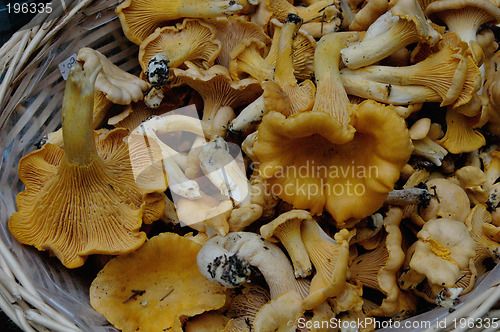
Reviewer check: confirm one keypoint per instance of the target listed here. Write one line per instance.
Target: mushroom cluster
(289, 161)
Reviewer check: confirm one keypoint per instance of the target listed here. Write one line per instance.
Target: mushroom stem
(77, 117)
(245, 248)
(250, 115)
(329, 82)
(284, 61)
(409, 196)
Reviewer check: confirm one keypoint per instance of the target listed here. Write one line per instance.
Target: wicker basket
(36, 292)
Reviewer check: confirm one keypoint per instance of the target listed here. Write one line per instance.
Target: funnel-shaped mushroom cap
(244, 306)
(444, 247)
(460, 135)
(329, 258)
(192, 40)
(82, 200)
(139, 18)
(286, 228)
(307, 164)
(155, 288)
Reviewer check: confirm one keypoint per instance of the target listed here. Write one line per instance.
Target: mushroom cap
(310, 142)
(445, 246)
(411, 11)
(478, 222)
(267, 231)
(449, 201)
(119, 86)
(165, 270)
(75, 211)
(490, 8)
(211, 321)
(192, 40)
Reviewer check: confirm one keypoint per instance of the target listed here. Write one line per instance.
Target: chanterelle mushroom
(155, 288)
(82, 200)
(170, 46)
(139, 18)
(315, 141)
(226, 260)
(444, 247)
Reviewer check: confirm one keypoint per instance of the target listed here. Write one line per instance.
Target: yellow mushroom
(272, 317)
(460, 135)
(424, 145)
(139, 18)
(210, 321)
(156, 287)
(315, 143)
(286, 229)
(377, 269)
(170, 46)
(82, 200)
(445, 72)
(478, 222)
(218, 90)
(329, 257)
(443, 249)
(232, 31)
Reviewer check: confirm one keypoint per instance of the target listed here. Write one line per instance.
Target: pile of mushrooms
(276, 162)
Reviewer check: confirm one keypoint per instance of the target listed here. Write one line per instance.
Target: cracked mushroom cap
(192, 40)
(157, 287)
(310, 140)
(330, 258)
(444, 247)
(286, 229)
(83, 200)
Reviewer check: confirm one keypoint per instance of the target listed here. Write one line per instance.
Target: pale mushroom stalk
(223, 170)
(331, 96)
(409, 196)
(444, 72)
(250, 115)
(388, 93)
(410, 26)
(225, 260)
(430, 150)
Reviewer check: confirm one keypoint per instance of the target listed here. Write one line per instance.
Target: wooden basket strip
(494, 297)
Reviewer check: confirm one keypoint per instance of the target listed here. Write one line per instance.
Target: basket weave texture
(37, 292)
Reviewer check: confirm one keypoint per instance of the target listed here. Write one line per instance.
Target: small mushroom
(226, 260)
(218, 90)
(286, 229)
(170, 46)
(245, 306)
(164, 275)
(478, 220)
(460, 135)
(424, 145)
(329, 257)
